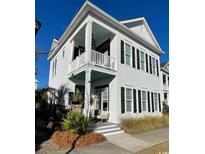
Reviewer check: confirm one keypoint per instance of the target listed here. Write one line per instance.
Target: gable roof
(89, 8)
(163, 66)
(143, 21)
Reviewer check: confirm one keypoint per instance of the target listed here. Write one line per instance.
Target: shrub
(147, 123)
(76, 123)
(165, 109)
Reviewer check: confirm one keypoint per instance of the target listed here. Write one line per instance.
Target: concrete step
(108, 130)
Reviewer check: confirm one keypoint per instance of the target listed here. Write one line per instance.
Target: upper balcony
(96, 59)
(91, 45)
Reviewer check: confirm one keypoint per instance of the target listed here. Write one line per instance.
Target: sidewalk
(124, 143)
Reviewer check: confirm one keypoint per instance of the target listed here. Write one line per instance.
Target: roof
(163, 64)
(89, 8)
(164, 68)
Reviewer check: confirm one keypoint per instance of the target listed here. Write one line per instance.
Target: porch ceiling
(99, 34)
(95, 76)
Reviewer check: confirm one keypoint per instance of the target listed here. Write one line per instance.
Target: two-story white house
(115, 62)
(164, 73)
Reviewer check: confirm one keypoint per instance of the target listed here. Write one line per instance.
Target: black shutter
(138, 59)
(139, 101)
(122, 52)
(122, 100)
(157, 67)
(152, 101)
(150, 64)
(134, 101)
(133, 57)
(148, 100)
(146, 63)
(159, 102)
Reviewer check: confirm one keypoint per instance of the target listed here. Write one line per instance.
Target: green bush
(165, 109)
(76, 122)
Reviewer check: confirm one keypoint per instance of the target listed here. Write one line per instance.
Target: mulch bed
(66, 139)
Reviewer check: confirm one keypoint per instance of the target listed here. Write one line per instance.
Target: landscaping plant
(76, 122)
(138, 125)
(165, 109)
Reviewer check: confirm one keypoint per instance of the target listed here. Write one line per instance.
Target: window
(55, 67)
(63, 52)
(142, 60)
(128, 100)
(155, 102)
(153, 65)
(128, 54)
(144, 106)
(165, 96)
(164, 79)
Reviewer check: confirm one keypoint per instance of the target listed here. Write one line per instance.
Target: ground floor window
(128, 100)
(155, 102)
(144, 105)
(165, 96)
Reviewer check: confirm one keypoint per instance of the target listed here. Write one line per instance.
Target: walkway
(123, 143)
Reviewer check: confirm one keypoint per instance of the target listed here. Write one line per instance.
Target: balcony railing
(97, 59)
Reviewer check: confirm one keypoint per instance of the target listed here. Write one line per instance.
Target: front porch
(93, 85)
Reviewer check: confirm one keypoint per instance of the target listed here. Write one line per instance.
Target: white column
(88, 41)
(86, 109)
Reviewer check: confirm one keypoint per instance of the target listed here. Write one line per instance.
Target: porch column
(86, 109)
(88, 41)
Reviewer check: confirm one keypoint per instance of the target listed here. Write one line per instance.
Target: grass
(162, 148)
(134, 125)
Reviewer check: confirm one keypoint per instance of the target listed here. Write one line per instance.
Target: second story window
(63, 52)
(53, 64)
(55, 67)
(142, 60)
(164, 79)
(154, 65)
(128, 54)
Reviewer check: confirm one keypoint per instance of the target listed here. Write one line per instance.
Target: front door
(101, 99)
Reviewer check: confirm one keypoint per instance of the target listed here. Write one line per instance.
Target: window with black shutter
(147, 63)
(133, 57)
(150, 64)
(122, 52)
(134, 101)
(148, 98)
(152, 97)
(139, 101)
(138, 59)
(122, 100)
(157, 67)
(159, 102)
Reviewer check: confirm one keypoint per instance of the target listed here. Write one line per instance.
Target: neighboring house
(36, 84)
(164, 71)
(115, 62)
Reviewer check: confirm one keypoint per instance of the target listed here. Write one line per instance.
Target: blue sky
(55, 16)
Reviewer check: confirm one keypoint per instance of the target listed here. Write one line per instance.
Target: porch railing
(97, 59)
(102, 60)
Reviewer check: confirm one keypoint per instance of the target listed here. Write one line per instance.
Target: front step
(109, 130)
